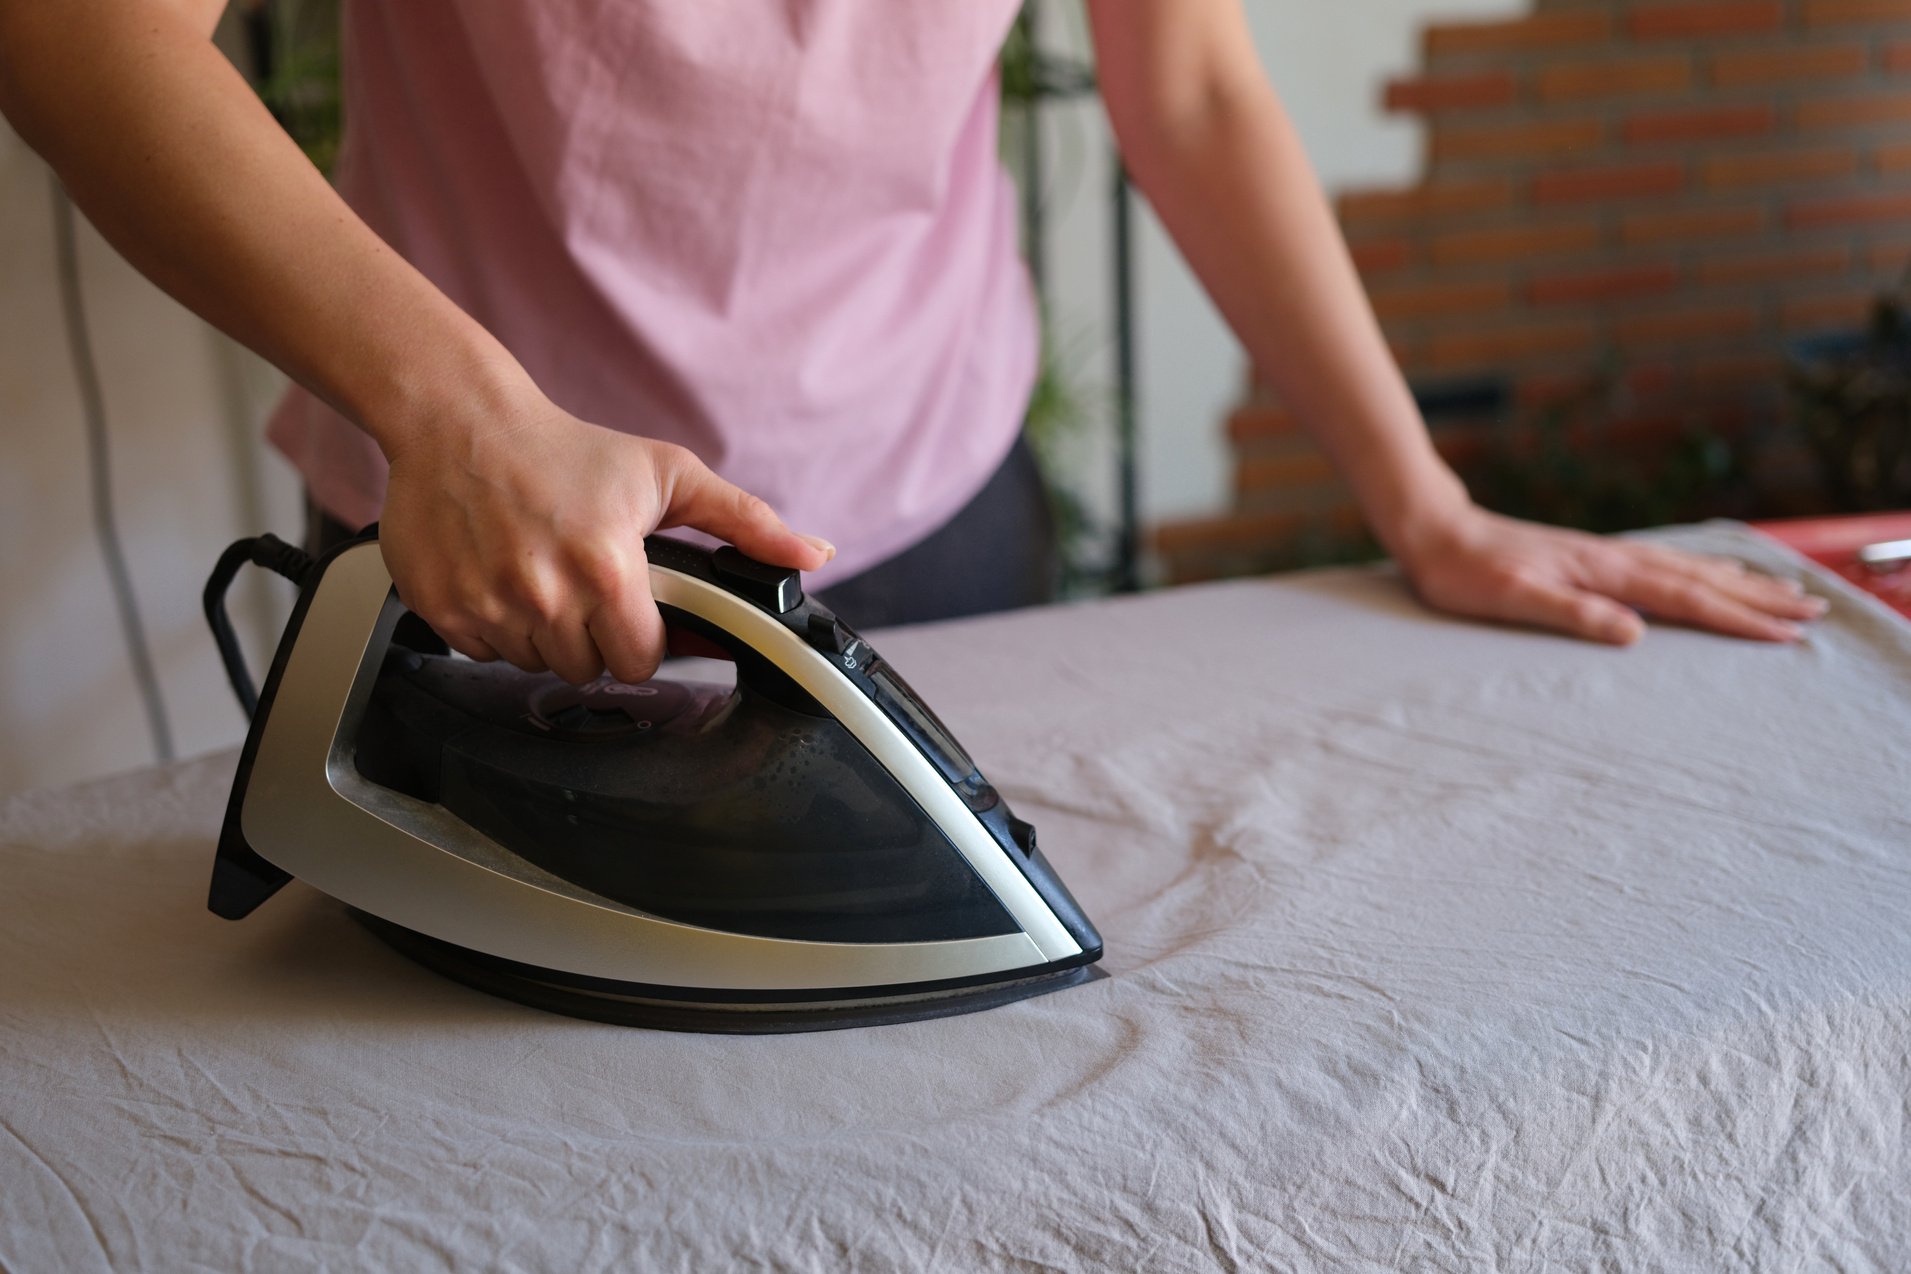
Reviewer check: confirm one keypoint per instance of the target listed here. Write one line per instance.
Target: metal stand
(1051, 79)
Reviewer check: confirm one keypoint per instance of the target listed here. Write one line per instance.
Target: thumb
(697, 498)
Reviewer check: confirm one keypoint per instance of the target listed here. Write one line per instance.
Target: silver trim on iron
(308, 810)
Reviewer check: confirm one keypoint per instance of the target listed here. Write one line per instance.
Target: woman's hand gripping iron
(808, 850)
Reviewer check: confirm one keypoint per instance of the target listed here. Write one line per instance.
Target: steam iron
(810, 849)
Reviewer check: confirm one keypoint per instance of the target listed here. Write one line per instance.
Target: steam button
(827, 633)
(847, 649)
(978, 795)
(774, 588)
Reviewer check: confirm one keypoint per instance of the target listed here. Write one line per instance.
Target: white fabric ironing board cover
(1433, 946)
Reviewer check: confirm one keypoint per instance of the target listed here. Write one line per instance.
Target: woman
(582, 262)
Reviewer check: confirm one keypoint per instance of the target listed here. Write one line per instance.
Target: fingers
(513, 624)
(1703, 603)
(1545, 604)
(485, 642)
(516, 649)
(1781, 598)
(569, 651)
(628, 631)
(551, 574)
(577, 613)
(590, 611)
(470, 647)
(696, 497)
(459, 628)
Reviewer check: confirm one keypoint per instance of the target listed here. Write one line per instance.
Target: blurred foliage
(1853, 402)
(1062, 429)
(1321, 544)
(301, 87)
(1030, 74)
(1569, 464)
(1019, 83)
(1065, 418)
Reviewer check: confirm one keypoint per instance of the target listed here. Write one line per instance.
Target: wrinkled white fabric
(1433, 947)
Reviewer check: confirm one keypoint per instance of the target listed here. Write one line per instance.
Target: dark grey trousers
(997, 553)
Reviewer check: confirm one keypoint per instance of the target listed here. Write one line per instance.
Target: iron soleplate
(721, 1013)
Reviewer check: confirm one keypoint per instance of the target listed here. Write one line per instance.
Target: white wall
(185, 405)
(1329, 62)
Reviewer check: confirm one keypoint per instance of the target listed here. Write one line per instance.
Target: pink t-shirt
(774, 231)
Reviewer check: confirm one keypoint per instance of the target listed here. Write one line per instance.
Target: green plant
(301, 81)
(1852, 395)
(1061, 429)
(1575, 463)
(1065, 419)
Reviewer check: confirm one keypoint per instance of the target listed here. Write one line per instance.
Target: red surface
(1834, 543)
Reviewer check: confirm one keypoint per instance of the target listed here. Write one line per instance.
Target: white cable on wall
(99, 469)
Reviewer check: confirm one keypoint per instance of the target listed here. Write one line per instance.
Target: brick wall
(1668, 190)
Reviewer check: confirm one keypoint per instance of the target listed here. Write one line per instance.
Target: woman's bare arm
(511, 526)
(1211, 146)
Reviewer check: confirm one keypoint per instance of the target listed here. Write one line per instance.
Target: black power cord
(275, 555)
(98, 459)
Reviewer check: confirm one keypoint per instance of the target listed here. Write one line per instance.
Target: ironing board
(1433, 946)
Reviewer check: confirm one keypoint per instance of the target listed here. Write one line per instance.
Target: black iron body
(749, 810)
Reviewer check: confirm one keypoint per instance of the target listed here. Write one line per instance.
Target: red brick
(1897, 57)
(1419, 203)
(1430, 300)
(1774, 168)
(1847, 308)
(1704, 124)
(1309, 468)
(1572, 29)
(1653, 380)
(1602, 285)
(1540, 392)
(1789, 479)
(1481, 347)
(1762, 368)
(1378, 256)
(1705, 18)
(1655, 331)
(1629, 182)
(1849, 210)
(1528, 139)
(1894, 159)
(1691, 225)
(1638, 438)
(1775, 263)
(1741, 68)
(1835, 13)
(1234, 531)
(1259, 421)
(1624, 77)
(1648, 435)
(1181, 571)
(1451, 92)
(1889, 258)
(1463, 446)
(1514, 243)
(1854, 112)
